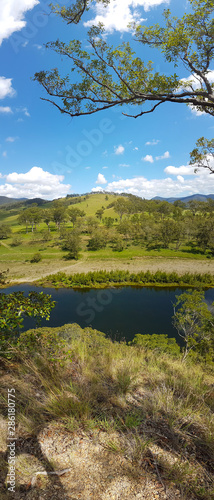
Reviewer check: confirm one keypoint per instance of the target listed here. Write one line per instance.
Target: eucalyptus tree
(108, 76)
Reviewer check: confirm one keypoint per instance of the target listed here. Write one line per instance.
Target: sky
(46, 154)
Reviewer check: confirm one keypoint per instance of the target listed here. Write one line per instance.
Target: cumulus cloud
(180, 178)
(202, 182)
(120, 13)
(119, 150)
(97, 189)
(153, 142)
(148, 158)
(193, 81)
(5, 109)
(34, 183)
(182, 170)
(101, 179)
(6, 88)
(164, 156)
(12, 16)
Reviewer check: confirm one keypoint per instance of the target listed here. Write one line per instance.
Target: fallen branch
(46, 473)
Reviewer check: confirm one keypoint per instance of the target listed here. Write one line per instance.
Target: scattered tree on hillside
(31, 215)
(59, 214)
(72, 244)
(97, 240)
(74, 213)
(99, 213)
(121, 207)
(47, 216)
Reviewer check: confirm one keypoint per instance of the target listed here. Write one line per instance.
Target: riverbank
(25, 272)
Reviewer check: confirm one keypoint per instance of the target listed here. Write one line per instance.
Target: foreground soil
(23, 272)
(91, 470)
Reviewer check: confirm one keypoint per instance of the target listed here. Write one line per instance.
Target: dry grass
(154, 410)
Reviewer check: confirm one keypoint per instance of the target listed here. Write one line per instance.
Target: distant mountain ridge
(5, 199)
(185, 199)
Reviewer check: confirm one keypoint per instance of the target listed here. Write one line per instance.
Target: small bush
(16, 241)
(36, 258)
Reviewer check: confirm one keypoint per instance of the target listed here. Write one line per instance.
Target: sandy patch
(22, 272)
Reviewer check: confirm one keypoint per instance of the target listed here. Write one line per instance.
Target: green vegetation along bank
(100, 279)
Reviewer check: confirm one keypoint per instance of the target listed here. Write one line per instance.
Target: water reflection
(118, 312)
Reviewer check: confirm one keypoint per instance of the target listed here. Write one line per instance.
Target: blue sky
(44, 153)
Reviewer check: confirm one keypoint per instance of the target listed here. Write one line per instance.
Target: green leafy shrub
(14, 307)
(16, 241)
(118, 276)
(157, 342)
(36, 258)
(5, 231)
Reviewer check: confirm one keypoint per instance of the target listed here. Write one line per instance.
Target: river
(118, 312)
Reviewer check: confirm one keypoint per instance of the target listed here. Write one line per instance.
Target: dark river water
(118, 312)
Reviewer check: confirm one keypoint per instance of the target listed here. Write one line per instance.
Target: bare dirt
(24, 272)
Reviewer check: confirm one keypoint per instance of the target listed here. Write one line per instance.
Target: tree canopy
(107, 76)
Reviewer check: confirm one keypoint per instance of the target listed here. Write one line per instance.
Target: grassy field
(48, 245)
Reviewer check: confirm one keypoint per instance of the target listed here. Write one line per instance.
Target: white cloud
(148, 158)
(135, 149)
(182, 170)
(101, 179)
(34, 183)
(97, 189)
(180, 178)
(189, 169)
(87, 168)
(12, 16)
(23, 110)
(119, 13)
(104, 168)
(153, 142)
(196, 111)
(4, 154)
(194, 82)
(6, 88)
(202, 182)
(164, 156)
(11, 139)
(119, 150)
(5, 109)
(124, 165)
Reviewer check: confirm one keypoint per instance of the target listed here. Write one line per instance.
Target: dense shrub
(36, 258)
(5, 231)
(141, 278)
(157, 342)
(97, 241)
(16, 241)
